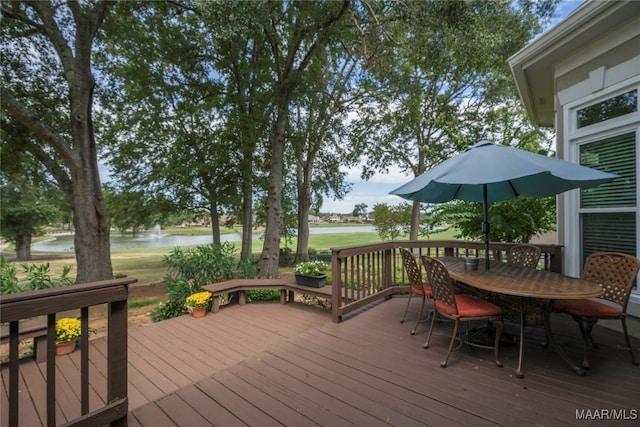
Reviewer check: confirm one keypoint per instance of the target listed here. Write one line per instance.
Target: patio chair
(416, 284)
(616, 272)
(458, 307)
(524, 255)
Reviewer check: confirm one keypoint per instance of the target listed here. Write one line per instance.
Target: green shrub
(247, 269)
(192, 268)
(36, 276)
(203, 264)
(9, 282)
(168, 310)
(179, 290)
(263, 295)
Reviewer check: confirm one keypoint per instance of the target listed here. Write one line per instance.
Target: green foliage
(32, 278)
(142, 302)
(203, 264)
(9, 282)
(179, 290)
(516, 220)
(247, 269)
(190, 269)
(168, 310)
(360, 209)
(263, 295)
(392, 222)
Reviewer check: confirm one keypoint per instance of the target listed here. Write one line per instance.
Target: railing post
(386, 268)
(117, 365)
(336, 287)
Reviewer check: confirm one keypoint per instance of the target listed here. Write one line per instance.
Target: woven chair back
(524, 256)
(414, 272)
(441, 284)
(615, 271)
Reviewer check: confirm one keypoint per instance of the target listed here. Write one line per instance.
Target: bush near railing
(49, 302)
(365, 273)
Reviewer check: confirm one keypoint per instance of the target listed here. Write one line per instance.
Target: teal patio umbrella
(488, 172)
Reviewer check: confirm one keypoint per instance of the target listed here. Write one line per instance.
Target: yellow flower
(199, 299)
(67, 328)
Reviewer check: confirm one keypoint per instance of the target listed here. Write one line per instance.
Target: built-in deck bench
(287, 287)
(30, 328)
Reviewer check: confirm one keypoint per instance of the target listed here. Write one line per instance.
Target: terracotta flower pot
(199, 311)
(65, 347)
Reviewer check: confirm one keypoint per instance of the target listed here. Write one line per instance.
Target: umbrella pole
(485, 225)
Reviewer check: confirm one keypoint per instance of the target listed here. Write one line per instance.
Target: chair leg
(453, 338)
(586, 325)
(413, 331)
(433, 321)
(496, 345)
(407, 309)
(626, 337)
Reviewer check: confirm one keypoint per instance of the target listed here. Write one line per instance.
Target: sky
(377, 189)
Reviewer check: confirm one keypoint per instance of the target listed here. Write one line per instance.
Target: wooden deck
(269, 364)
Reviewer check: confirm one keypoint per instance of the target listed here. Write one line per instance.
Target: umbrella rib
(513, 188)
(455, 195)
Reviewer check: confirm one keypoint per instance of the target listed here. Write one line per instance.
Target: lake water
(153, 240)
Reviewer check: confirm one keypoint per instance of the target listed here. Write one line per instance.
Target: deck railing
(25, 305)
(365, 273)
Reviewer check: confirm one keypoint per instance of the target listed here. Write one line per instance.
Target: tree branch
(31, 122)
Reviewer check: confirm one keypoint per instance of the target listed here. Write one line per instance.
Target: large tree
(296, 33)
(293, 34)
(319, 146)
(166, 132)
(437, 77)
(46, 50)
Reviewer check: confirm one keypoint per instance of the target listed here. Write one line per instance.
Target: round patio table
(523, 282)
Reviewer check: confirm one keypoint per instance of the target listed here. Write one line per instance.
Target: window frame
(575, 138)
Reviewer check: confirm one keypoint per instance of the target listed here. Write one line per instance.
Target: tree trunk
(215, 222)
(415, 221)
(268, 265)
(246, 252)
(420, 169)
(304, 205)
(91, 220)
(92, 245)
(23, 248)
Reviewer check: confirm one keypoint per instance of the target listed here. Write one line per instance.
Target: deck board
(269, 364)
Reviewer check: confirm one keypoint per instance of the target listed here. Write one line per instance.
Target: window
(614, 155)
(608, 212)
(608, 109)
(608, 232)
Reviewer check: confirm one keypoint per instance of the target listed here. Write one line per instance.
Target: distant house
(582, 77)
(314, 219)
(335, 218)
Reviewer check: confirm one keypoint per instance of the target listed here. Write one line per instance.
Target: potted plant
(198, 303)
(68, 329)
(312, 273)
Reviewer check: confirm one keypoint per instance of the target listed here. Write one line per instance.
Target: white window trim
(573, 138)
